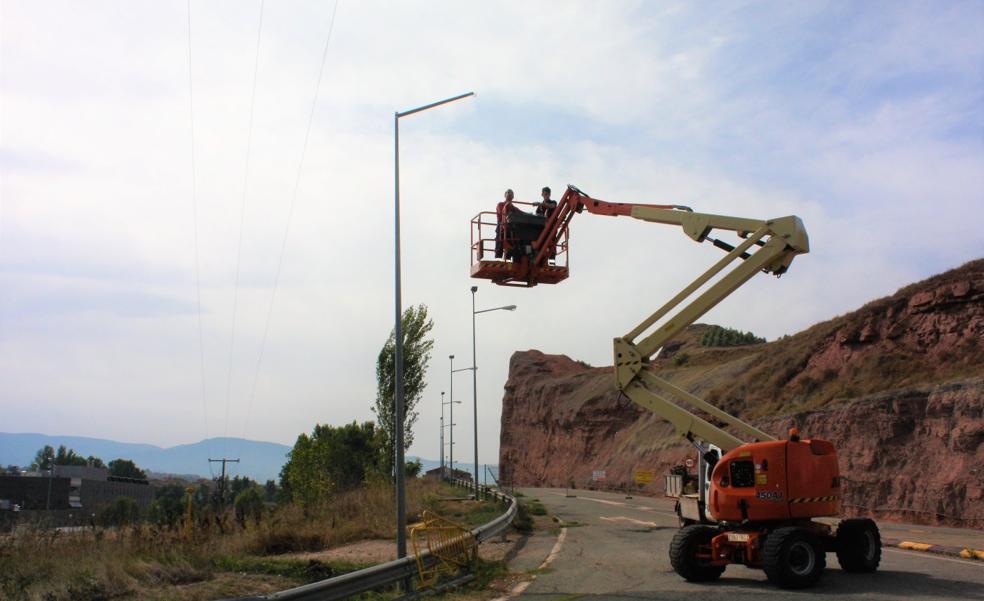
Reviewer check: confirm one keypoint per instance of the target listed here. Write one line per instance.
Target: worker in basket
(502, 212)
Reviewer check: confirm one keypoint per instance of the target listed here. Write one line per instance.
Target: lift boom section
(765, 246)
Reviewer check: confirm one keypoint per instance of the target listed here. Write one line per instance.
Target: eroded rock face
(913, 450)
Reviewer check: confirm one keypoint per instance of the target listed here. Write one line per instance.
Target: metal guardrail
(391, 572)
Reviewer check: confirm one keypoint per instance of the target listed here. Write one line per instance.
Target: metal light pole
(451, 402)
(401, 492)
(440, 437)
(450, 426)
(474, 369)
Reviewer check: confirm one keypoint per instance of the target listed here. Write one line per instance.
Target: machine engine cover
(776, 480)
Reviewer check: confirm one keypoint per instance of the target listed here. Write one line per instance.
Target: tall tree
(416, 355)
(44, 459)
(66, 456)
(331, 459)
(125, 468)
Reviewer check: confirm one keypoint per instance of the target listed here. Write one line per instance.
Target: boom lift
(762, 494)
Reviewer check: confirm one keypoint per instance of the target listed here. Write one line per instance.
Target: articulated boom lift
(761, 495)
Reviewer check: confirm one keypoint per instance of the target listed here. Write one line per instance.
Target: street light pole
(440, 438)
(474, 370)
(474, 289)
(399, 409)
(451, 408)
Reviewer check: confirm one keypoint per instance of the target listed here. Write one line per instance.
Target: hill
(259, 460)
(897, 385)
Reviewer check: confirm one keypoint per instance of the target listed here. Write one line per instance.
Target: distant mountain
(258, 460)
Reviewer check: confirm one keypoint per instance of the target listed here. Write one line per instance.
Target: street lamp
(474, 369)
(401, 493)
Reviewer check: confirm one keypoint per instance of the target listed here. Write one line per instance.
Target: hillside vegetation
(897, 385)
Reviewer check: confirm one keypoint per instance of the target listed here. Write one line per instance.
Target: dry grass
(146, 562)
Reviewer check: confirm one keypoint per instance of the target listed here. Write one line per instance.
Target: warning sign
(644, 476)
(598, 476)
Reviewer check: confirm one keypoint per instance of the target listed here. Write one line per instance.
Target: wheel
(793, 558)
(683, 554)
(858, 545)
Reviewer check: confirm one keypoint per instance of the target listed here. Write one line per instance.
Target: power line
(194, 212)
(290, 214)
(242, 219)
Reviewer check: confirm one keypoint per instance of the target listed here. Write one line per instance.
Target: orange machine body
(776, 480)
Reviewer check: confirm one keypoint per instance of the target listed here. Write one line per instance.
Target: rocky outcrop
(898, 386)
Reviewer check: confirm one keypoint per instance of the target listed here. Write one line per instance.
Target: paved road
(617, 549)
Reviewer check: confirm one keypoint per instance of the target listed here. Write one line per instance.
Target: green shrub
(121, 512)
(523, 522)
(249, 506)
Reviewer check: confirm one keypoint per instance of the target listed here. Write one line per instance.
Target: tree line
(721, 336)
(47, 457)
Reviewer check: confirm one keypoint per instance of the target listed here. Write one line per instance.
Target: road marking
(554, 552)
(976, 564)
(605, 501)
(556, 549)
(622, 518)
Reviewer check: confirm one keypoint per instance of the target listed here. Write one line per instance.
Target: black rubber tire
(859, 545)
(683, 554)
(793, 558)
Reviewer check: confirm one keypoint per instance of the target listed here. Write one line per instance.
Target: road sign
(644, 476)
(689, 462)
(598, 476)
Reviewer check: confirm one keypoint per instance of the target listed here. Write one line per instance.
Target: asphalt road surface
(616, 548)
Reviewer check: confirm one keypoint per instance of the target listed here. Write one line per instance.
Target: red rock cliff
(898, 386)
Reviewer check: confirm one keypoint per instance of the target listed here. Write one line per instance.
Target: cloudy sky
(865, 119)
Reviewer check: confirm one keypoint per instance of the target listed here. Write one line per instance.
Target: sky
(270, 151)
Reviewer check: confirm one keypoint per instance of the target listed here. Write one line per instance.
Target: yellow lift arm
(767, 246)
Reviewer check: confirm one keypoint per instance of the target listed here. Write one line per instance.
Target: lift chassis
(757, 497)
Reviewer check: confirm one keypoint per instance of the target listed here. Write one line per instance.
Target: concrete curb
(965, 552)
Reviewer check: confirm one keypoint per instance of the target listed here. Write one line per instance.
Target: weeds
(38, 564)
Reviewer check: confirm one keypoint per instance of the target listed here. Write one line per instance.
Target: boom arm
(768, 246)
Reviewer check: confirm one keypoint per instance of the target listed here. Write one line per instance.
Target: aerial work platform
(519, 248)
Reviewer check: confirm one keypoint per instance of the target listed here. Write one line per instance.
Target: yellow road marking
(914, 546)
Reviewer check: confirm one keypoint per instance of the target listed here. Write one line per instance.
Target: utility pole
(222, 481)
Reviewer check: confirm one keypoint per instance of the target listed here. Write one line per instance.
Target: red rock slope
(897, 385)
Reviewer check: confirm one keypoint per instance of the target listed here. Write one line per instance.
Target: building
(70, 494)
(450, 473)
